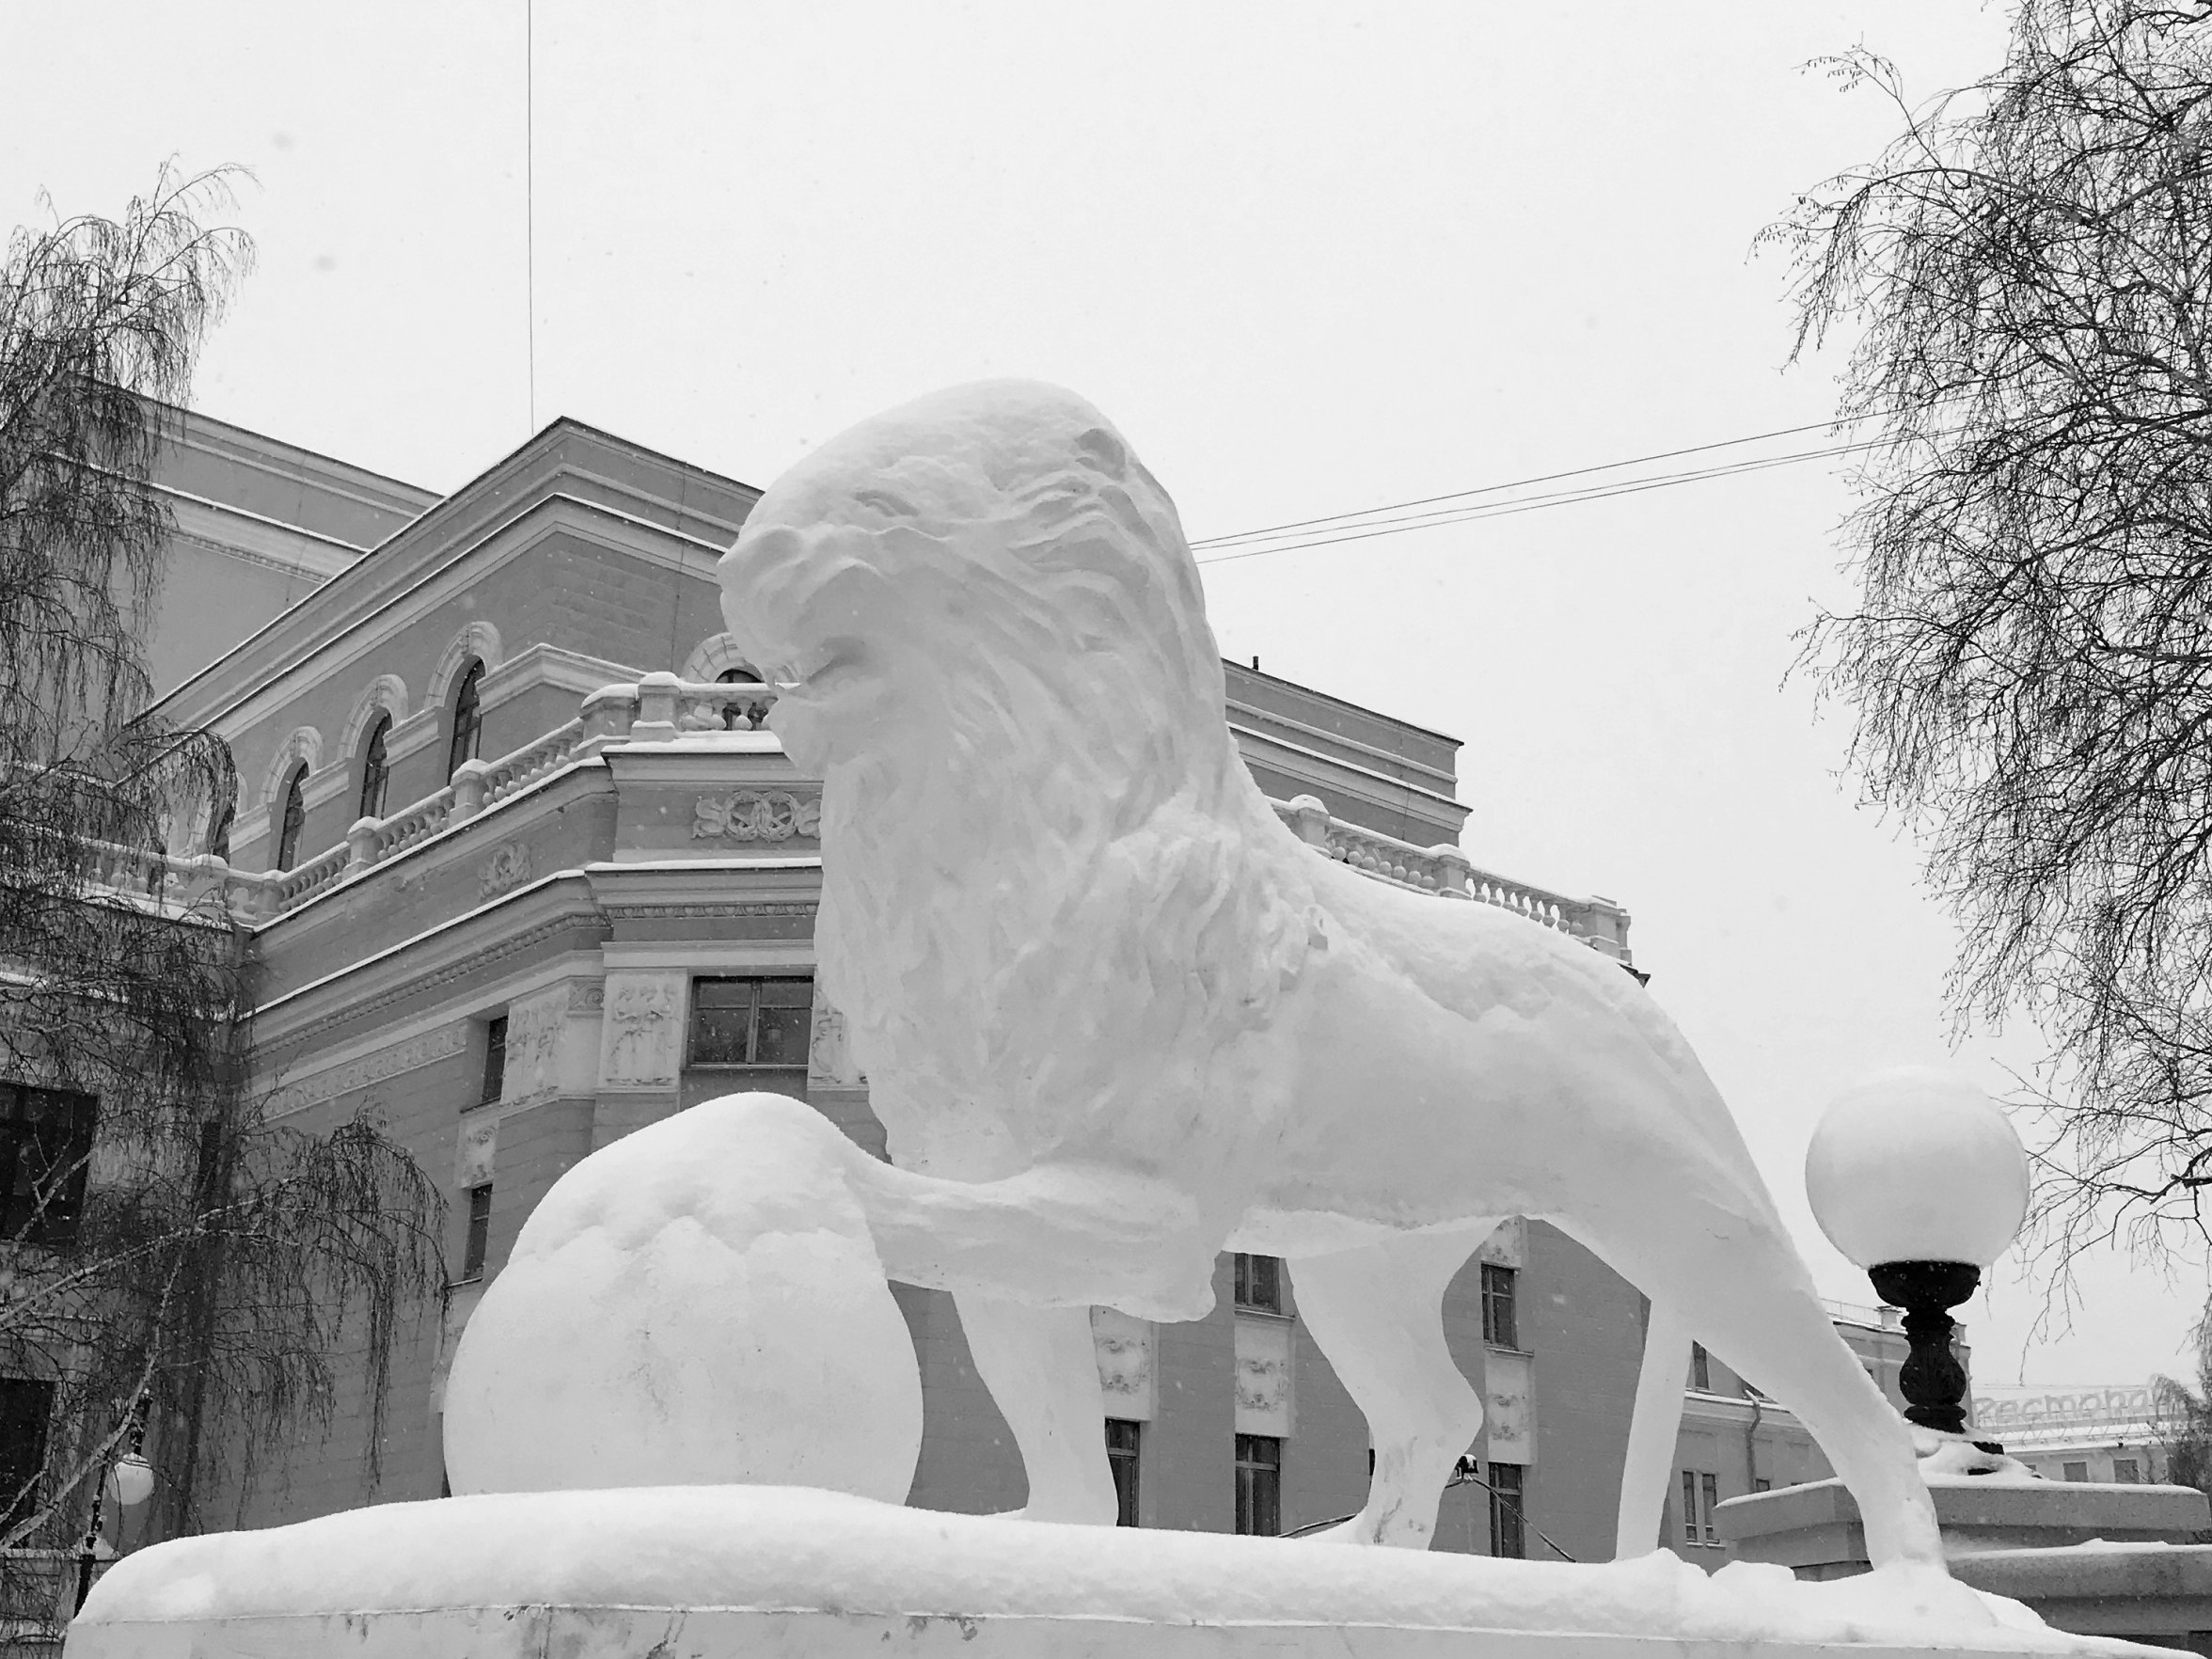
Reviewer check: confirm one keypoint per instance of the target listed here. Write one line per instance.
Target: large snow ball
(698, 1303)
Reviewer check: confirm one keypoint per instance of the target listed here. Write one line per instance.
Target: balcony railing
(660, 707)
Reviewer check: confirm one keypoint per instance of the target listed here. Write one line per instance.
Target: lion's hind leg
(1728, 1272)
(1378, 1314)
(1653, 1428)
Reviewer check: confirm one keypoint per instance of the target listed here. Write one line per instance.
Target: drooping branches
(169, 1256)
(2029, 268)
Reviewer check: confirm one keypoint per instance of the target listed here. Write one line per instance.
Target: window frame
(25, 1400)
(1124, 1459)
(1256, 1288)
(476, 1241)
(465, 742)
(375, 770)
(292, 821)
(1260, 1485)
(1700, 1492)
(495, 1069)
(49, 1224)
(1509, 1512)
(694, 1026)
(1700, 1368)
(1501, 1306)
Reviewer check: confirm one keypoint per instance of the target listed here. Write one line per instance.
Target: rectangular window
(762, 1022)
(26, 1407)
(1122, 1439)
(46, 1156)
(1259, 1282)
(495, 1077)
(1508, 1525)
(1260, 1485)
(1761, 1484)
(2075, 1471)
(2126, 1471)
(1700, 1368)
(480, 1233)
(1699, 1493)
(1500, 1321)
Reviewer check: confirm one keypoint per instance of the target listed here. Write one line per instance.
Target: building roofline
(1245, 668)
(483, 489)
(190, 417)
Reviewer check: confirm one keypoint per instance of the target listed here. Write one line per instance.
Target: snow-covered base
(704, 1572)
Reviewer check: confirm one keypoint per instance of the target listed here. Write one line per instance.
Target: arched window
(295, 820)
(732, 716)
(467, 721)
(375, 770)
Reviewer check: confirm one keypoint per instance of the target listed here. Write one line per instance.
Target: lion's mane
(1052, 927)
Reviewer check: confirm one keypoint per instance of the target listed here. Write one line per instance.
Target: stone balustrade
(1445, 871)
(661, 707)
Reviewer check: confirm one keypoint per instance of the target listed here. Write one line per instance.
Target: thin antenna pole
(529, 194)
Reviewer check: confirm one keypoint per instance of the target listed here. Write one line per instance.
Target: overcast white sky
(1311, 258)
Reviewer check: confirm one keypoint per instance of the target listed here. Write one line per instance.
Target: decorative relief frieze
(642, 1033)
(750, 815)
(1126, 1372)
(478, 1145)
(533, 1045)
(1509, 1411)
(586, 996)
(1263, 1376)
(830, 1061)
(508, 867)
(1507, 1246)
(370, 1070)
(618, 911)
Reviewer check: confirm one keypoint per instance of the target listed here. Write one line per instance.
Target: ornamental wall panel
(1508, 1406)
(1127, 1378)
(830, 1061)
(642, 1034)
(1263, 1376)
(535, 1026)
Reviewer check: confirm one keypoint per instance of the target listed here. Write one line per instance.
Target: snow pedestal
(2144, 1592)
(2096, 1560)
(1814, 1529)
(704, 1572)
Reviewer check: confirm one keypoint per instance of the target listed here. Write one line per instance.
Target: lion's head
(1041, 846)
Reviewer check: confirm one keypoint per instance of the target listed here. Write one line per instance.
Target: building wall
(1584, 1324)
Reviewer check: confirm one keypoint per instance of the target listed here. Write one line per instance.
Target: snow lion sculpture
(1117, 1018)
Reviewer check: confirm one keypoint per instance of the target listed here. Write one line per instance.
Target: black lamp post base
(1932, 1381)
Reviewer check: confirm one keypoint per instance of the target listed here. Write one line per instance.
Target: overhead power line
(1352, 528)
(1464, 506)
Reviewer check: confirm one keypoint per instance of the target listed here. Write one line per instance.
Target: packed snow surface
(699, 1302)
(768, 1548)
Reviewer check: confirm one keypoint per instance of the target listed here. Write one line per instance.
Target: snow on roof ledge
(449, 1575)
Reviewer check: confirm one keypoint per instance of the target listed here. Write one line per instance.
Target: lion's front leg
(1059, 1236)
(1042, 1368)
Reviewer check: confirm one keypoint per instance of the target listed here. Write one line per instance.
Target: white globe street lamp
(1916, 1175)
(130, 1483)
